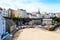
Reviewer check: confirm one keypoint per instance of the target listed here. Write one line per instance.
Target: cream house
(29, 15)
(57, 15)
(21, 13)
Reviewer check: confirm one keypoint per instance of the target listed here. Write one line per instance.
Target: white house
(36, 15)
(48, 15)
(2, 22)
(52, 14)
(47, 21)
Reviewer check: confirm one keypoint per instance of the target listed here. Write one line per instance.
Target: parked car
(54, 27)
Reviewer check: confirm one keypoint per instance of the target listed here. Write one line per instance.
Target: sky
(32, 5)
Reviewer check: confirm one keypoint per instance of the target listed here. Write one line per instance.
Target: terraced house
(21, 13)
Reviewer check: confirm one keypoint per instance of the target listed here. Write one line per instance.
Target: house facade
(47, 21)
(37, 15)
(57, 15)
(11, 13)
(29, 15)
(21, 13)
(2, 22)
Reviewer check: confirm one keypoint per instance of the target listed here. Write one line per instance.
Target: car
(54, 27)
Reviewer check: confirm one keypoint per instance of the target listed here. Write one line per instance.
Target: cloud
(30, 5)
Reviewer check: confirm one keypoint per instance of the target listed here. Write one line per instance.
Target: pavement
(36, 34)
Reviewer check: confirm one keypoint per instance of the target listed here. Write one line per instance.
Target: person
(16, 24)
(21, 23)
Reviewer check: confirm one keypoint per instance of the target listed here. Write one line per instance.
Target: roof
(10, 22)
(29, 13)
(21, 9)
(1, 8)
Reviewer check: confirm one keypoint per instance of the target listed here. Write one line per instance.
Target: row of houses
(43, 15)
(7, 26)
(24, 14)
(20, 13)
(17, 13)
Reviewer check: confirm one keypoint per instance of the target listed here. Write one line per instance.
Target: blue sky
(50, 1)
(32, 5)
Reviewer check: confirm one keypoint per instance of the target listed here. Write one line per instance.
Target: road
(37, 34)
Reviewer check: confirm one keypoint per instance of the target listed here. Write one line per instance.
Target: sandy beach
(36, 34)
